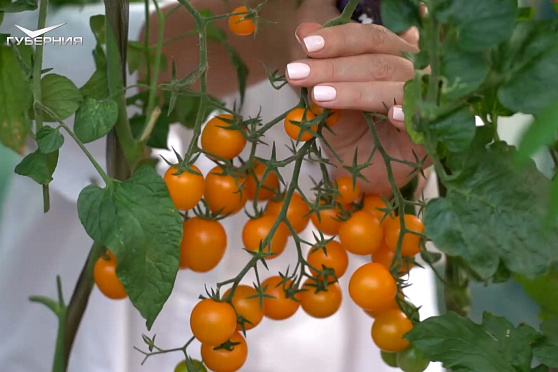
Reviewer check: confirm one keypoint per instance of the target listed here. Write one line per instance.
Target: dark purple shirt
(367, 11)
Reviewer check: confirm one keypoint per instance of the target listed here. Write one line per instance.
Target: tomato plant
(220, 139)
(361, 233)
(332, 255)
(256, 232)
(297, 212)
(239, 25)
(186, 189)
(279, 305)
(372, 287)
(294, 124)
(223, 192)
(247, 306)
(203, 244)
(105, 277)
(320, 302)
(213, 322)
(388, 330)
(226, 358)
(197, 366)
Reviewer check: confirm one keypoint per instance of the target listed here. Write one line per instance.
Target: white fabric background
(34, 248)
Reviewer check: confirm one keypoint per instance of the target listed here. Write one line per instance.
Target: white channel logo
(35, 38)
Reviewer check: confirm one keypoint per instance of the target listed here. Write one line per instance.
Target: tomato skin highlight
(293, 130)
(216, 139)
(241, 27)
(348, 193)
(186, 189)
(212, 322)
(248, 308)
(321, 304)
(223, 360)
(388, 330)
(297, 211)
(223, 193)
(104, 274)
(203, 244)
(334, 257)
(411, 242)
(326, 221)
(372, 287)
(256, 230)
(271, 183)
(280, 307)
(361, 233)
(334, 114)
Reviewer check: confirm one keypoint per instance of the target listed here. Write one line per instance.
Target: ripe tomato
(186, 189)
(334, 114)
(280, 307)
(183, 367)
(256, 231)
(411, 242)
(371, 205)
(105, 277)
(393, 305)
(239, 26)
(203, 244)
(246, 307)
(334, 257)
(412, 360)
(327, 221)
(268, 188)
(384, 256)
(372, 287)
(348, 193)
(297, 212)
(388, 330)
(222, 360)
(321, 304)
(212, 322)
(293, 129)
(218, 140)
(223, 193)
(361, 233)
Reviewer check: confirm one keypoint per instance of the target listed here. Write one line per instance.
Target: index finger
(352, 39)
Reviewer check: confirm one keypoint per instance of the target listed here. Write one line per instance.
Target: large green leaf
(455, 131)
(61, 95)
(464, 71)
(38, 166)
(49, 139)
(15, 99)
(494, 212)
(97, 85)
(541, 133)
(94, 119)
(19, 6)
(138, 222)
(410, 106)
(462, 345)
(400, 15)
(544, 290)
(546, 351)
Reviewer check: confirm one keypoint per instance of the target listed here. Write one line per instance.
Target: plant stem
(344, 17)
(146, 46)
(157, 66)
(433, 84)
(60, 364)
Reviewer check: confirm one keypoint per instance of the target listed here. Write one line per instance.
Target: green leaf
(555, 6)
(160, 133)
(494, 212)
(61, 95)
(479, 25)
(546, 350)
(531, 57)
(38, 166)
(544, 291)
(456, 131)
(464, 71)
(19, 6)
(138, 222)
(553, 213)
(541, 133)
(95, 119)
(462, 345)
(185, 110)
(241, 70)
(526, 13)
(212, 31)
(412, 96)
(97, 85)
(400, 15)
(49, 139)
(97, 24)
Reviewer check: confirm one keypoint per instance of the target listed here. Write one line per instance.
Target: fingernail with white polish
(324, 93)
(298, 70)
(314, 43)
(398, 114)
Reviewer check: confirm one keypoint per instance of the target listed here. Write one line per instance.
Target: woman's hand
(359, 68)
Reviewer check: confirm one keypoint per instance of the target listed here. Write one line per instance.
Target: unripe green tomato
(198, 366)
(411, 360)
(389, 358)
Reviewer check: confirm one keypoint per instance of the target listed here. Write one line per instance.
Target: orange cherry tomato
(388, 330)
(218, 140)
(297, 211)
(280, 306)
(104, 274)
(223, 360)
(411, 242)
(247, 306)
(348, 193)
(327, 221)
(334, 114)
(384, 256)
(293, 129)
(186, 189)
(241, 27)
(392, 306)
(224, 193)
(373, 204)
(203, 244)
(334, 257)
(372, 287)
(268, 188)
(361, 233)
(256, 231)
(321, 304)
(213, 322)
